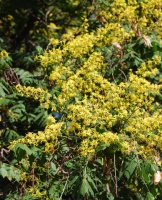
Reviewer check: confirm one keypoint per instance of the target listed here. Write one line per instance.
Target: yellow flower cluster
(131, 102)
(100, 103)
(81, 45)
(135, 13)
(36, 93)
(123, 20)
(3, 53)
(36, 193)
(13, 115)
(149, 68)
(93, 139)
(99, 111)
(48, 137)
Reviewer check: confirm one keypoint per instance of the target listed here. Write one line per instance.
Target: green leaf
(39, 50)
(84, 188)
(154, 168)
(90, 189)
(130, 167)
(102, 147)
(35, 151)
(90, 180)
(11, 135)
(23, 147)
(14, 173)
(72, 181)
(10, 172)
(5, 101)
(53, 166)
(105, 2)
(53, 169)
(110, 196)
(3, 88)
(40, 116)
(149, 196)
(19, 108)
(3, 170)
(145, 176)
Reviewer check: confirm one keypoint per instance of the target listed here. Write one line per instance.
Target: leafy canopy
(85, 121)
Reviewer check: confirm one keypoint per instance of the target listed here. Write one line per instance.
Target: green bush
(81, 100)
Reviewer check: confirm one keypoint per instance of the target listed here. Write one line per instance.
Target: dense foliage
(80, 99)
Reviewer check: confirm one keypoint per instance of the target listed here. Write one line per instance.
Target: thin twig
(64, 188)
(46, 16)
(48, 46)
(107, 188)
(3, 150)
(138, 162)
(123, 74)
(114, 78)
(116, 183)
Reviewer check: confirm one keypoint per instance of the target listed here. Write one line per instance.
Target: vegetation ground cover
(80, 99)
